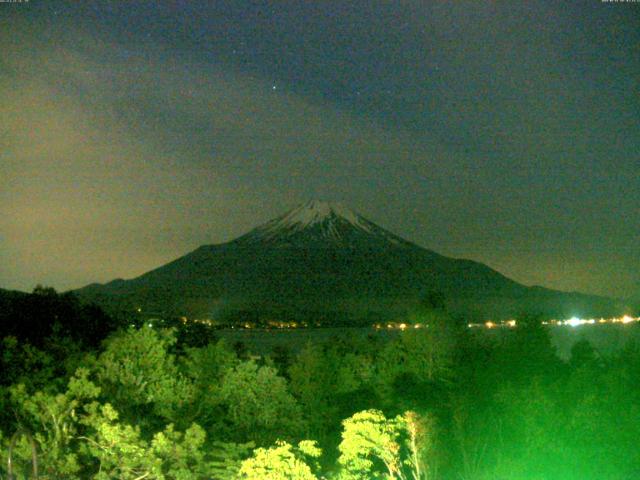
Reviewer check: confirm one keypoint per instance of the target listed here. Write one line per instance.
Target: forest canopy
(112, 399)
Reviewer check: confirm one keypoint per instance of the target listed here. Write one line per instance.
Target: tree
(53, 420)
(205, 368)
(259, 406)
(583, 355)
(376, 447)
(123, 453)
(527, 352)
(416, 367)
(370, 441)
(312, 379)
(139, 375)
(419, 432)
(35, 317)
(79, 437)
(282, 461)
(330, 385)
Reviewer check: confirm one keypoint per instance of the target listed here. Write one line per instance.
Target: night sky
(508, 133)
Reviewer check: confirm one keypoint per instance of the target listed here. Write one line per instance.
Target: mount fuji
(324, 263)
(317, 224)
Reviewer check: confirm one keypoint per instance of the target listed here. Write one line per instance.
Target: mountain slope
(324, 261)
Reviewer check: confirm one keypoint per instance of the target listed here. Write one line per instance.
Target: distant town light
(574, 322)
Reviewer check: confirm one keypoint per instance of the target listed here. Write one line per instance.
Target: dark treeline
(120, 399)
(35, 317)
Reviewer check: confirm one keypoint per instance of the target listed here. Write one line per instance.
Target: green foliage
(118, 448)
(578, 425)
(140, 375)
(80, 436)
(415, 366)
(53, 418)
(21, 362)
(311, 381)
(122, 452)
(205, 368)
(170, 455)
(282, 461)
(370, 446)
(329, 385)
(258, 403)
(528, 352)
(505, 407)
(419, 441)
(376, 447)
(226, 459)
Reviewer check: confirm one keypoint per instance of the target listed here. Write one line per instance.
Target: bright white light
(574, 322)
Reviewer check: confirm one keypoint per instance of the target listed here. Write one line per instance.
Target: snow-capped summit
(316, 211)
(320, 221)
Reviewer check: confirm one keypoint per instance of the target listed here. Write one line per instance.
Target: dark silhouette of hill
(34, 317)
(323, 262)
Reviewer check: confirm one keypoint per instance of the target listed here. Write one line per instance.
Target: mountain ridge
(321, 257)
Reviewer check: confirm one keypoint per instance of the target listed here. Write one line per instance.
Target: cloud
(117, 163)
(119, 155)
